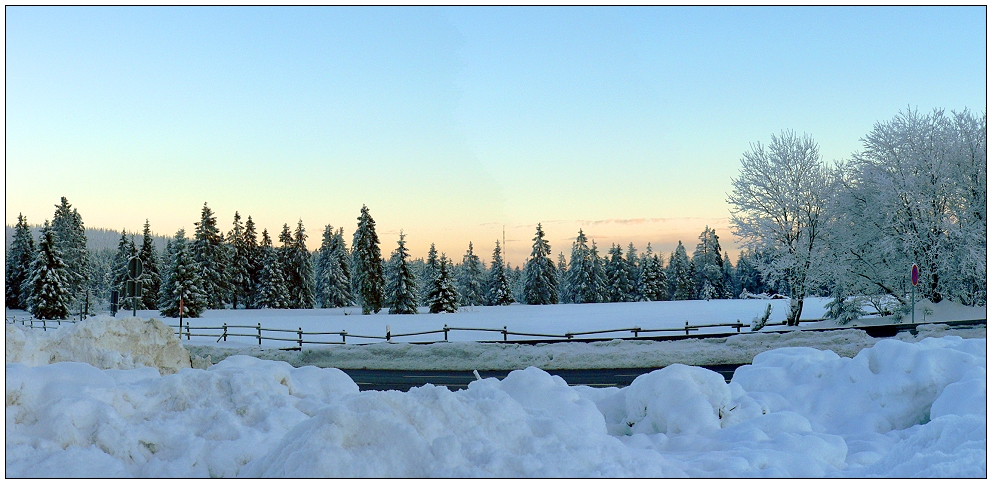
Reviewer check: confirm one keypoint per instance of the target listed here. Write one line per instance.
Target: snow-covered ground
(553, 319)
(914, 408)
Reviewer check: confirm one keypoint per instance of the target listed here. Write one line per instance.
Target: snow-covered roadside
(897, 409)
(737, 349)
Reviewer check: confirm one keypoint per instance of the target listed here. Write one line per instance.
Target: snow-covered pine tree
(401, 285)
(729, 280)
(49, 295)
(680, 275)
(272, 281)
(499, 292)
(299, 271)
(598, 273)
(633, 274)
(426, 277)
(18, 266)
(517, 283)
(581, 285)
(249, 242)
(652, 276)
(237, 270)
(540, 284)
(618, 288)
(212, 257)
(469, 280)
(367, 277)
(748, 276)
(151, 281)
(322, 268)
(118, 270)
(340, 272)
(184, 281)
(708, 265)
(561, 275)
(442, 297)
(70, 235)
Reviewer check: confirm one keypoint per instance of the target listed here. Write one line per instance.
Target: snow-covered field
(914, 408)
(553, 319)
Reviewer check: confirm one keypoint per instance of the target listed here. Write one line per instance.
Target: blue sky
(450, 123)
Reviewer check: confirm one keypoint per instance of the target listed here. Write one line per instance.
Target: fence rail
(222, 333)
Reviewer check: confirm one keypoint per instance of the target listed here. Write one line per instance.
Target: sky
(453, 124)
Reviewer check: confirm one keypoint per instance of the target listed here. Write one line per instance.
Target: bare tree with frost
(778, 204)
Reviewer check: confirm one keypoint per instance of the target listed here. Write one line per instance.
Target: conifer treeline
(214, 270)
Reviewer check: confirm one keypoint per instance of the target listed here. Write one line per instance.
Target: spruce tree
(118, 269)
(322, 268)
(469, 280)
(598, 274)
(442, 297)
(729, 278)
(249, 242)
(367, 274)
(429, 273)
(708, 276)
(617, 276)
(540, 286)
(634, 274)
(580, 283)
(184, 282)
(238, 275)
(561, 275)
(680, 281)
(498, 292)
(151, 281)
(340, 272)
(211, 254)
(299, 271)
(70, 235)
(49, 294)
(401, 285)
(272, 289)
(652, 277)
(18, 266)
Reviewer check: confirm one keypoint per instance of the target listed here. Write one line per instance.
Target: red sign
(916, 275)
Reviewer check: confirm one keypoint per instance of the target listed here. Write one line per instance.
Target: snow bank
(897, 409)
(102, 341)
(737, 349)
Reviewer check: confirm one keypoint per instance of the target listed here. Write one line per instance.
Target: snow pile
(102, 341)
(737, 349)
(898, 409)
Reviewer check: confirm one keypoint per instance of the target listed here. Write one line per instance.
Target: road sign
(134, 268)
(133, 288)
(916, 275)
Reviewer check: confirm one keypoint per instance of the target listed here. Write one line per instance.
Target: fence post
(299, 335)
(388, 335)
(687, 328)
(343, 334)
(44, 325)
(636, 330)
(504, 334)
(259, 328)
(738, 326)
(225, 332)
(446, 332)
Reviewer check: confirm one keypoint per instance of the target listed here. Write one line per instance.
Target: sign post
(134, 270)
(916, 280)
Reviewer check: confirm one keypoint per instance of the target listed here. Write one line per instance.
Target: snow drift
(897, 409)
(101, 341)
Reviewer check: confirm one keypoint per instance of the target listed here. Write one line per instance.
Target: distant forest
(96, 239)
